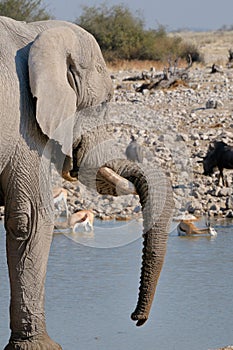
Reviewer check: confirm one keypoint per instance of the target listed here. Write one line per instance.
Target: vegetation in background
(122, 35)
(24, 10)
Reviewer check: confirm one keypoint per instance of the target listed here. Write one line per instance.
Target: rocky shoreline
(174, 126)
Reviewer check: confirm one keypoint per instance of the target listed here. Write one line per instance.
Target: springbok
(60, 200)
(187, 228)
(82, 220)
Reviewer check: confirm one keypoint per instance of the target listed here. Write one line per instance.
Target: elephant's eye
(99, 68)
(71, 79)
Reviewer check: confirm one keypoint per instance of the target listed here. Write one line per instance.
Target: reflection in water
(111, 234)
(91, 292)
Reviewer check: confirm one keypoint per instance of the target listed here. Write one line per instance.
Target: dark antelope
(219, 155)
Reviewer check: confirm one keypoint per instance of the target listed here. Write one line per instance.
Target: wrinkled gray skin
(41, 92)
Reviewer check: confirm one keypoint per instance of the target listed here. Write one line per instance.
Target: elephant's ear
(48, 73)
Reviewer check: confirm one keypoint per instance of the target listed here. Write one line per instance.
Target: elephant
(55, 92)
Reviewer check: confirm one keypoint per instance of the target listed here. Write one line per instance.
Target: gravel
(174, 126)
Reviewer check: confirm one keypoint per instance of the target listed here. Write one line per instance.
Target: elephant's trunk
(155, 195)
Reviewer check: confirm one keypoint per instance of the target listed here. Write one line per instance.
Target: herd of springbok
(219, 155)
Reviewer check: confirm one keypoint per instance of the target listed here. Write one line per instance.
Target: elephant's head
(68, 76)
(67, 73)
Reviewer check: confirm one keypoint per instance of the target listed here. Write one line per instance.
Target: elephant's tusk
(66, 175)
(122, 185)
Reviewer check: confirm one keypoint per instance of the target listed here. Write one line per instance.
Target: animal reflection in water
(187, 228)
(80, 221)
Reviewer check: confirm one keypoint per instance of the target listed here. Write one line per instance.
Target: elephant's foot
(38, 342)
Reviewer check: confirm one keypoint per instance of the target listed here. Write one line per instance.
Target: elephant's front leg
(29, 226)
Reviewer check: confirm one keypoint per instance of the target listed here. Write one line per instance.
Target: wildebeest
(219, 155)
(134, 151)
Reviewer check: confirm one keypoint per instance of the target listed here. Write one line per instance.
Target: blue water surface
(91, 292)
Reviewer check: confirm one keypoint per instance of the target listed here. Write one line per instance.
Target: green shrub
(116, 30)
(24, 10)
(191, 49)
(121, 35)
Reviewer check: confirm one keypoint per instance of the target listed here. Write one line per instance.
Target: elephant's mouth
(103, 178)
(119, 185)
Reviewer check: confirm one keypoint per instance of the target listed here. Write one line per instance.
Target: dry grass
(139, 65)
(134, 65)
(212, 45)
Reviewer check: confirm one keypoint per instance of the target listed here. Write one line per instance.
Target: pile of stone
(175, 127)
